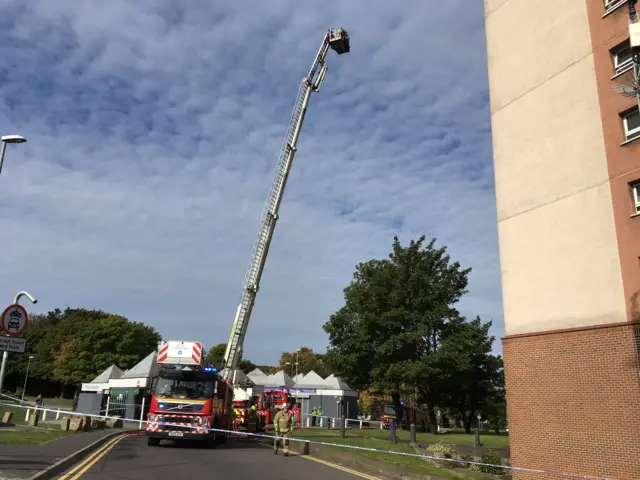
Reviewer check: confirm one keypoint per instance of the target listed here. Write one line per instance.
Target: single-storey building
(114, 392)
(311, 391)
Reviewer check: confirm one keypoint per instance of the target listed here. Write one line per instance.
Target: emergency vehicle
(188, 398)
(416, 416)
(269, 403)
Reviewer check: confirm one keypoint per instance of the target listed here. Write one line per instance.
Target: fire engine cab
(188, 398)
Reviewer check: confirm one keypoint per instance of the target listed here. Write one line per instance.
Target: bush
(465, 459)
(445, 450)
(493, 470)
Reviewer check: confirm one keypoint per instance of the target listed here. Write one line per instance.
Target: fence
(51, 414)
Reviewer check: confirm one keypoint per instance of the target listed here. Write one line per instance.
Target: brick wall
(574, 402)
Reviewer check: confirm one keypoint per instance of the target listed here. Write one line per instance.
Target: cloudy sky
(153, 132)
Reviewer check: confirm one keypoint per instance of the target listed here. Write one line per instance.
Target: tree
(246, 365)
(308, 360)
(215, 357)
(496, 408)
(372, 403)
(89, 341)
(76, 345)
(474, 379)
(388, 331)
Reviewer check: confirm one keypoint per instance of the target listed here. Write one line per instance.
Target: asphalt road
(131, 459)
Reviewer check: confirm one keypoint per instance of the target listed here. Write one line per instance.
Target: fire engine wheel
(153, 442)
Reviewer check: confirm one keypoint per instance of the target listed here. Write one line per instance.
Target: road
(130, 458)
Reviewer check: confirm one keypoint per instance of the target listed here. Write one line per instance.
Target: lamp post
(24, 387)
(9, 139)
(297, 361)
(5, 354)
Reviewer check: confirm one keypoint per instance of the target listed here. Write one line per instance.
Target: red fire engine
(273, 400)
(412, 414)
(188, 399)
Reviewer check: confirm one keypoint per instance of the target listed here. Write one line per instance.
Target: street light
(297, 361)
(16, 301)
(479, 418)
(9, 139)
(24, 387)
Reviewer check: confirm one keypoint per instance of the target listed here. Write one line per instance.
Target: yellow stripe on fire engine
(180, 400)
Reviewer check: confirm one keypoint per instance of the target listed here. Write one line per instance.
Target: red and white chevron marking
(163, 352)
(196, 355)
(196, 352)
(202, 424)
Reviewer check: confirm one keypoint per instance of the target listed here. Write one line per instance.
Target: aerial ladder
(336, 39)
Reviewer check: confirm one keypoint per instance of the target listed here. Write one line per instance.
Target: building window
(610, 5)
(622, 57)
(631, 124)
(635, 196)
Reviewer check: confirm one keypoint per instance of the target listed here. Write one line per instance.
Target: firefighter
(236, 419)
(252, 421)
(282, 424)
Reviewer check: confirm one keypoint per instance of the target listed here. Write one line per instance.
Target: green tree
(215, 357)
(394, 314)
(40, 331)
(473, 378)
(308, 360)
(495, 409)
(89, 341)
(75, 345)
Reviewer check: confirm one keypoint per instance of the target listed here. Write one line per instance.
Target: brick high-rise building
(566, 151)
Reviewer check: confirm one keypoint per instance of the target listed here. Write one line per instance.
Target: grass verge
(30, 437)
(18, 414)
(413, 464)
(488, 439)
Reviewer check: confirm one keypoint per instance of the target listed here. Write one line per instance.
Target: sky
(154, 128)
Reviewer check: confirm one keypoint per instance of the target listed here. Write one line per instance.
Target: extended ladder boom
(338, 40)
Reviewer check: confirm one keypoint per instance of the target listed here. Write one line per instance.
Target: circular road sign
(14, 320)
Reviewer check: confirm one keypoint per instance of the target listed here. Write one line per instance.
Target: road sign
(14, 320)
(13, 345)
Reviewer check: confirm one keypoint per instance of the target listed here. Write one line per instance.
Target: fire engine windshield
(389, 410)
(186, 388)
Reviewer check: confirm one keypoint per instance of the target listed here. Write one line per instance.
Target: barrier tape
(316, 442)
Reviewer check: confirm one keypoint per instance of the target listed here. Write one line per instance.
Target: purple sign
(291, 390)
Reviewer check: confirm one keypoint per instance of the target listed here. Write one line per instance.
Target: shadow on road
(231, 443)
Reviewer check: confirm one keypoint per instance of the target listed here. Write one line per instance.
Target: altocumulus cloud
(154, 127)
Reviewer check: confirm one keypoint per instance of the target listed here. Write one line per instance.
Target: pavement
(131, 458)
(23, 461)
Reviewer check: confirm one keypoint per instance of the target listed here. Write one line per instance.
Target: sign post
(14, 320)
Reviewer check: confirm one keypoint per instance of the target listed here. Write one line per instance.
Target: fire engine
(188, 398)
(273, 400)
(414, 415)
(267, 405)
